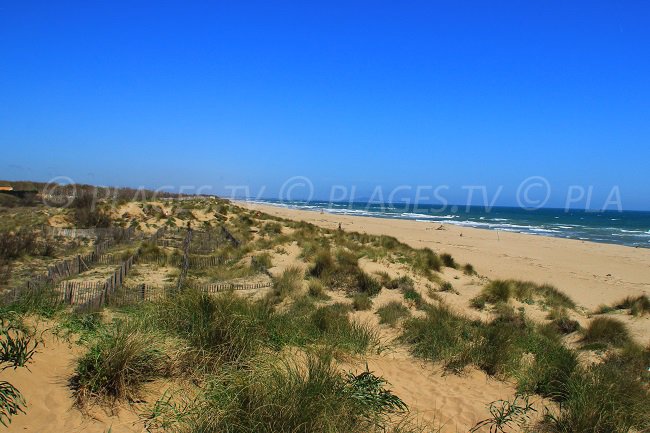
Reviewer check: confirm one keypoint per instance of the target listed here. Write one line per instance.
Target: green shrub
(606, 330)
(468, 269)
(478, 302)
(367, 284)
(17, 347)
(227, 327)
(561, 321)
(118, 364)
(497, 291)
(425, 261)
(446, 286)
(289, 397)
(261, 262)
(323, 264)
(316, 290)
(638, 306)
(442, 335)
(346, 259)
(412, 295)
(524, 291)
(271, 228)
(335, 329)
(288, 283)
(448, 261)
(604, 398)
(361, 301)
(392, 312)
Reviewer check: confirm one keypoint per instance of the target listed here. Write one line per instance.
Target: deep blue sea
(631, 228)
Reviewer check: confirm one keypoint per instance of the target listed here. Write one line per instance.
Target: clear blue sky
(353, 93)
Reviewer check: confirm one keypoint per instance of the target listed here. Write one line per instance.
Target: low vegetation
(524, 291)
(119, 362)
(392, 312)
(17, 347)
(607, 331)
(270, 362)
(635, 305)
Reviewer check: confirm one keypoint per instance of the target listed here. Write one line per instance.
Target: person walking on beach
(340, 227)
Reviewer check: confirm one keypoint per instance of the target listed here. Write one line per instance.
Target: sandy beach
(591, 273)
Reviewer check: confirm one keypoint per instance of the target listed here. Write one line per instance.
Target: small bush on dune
(413, 296)
(17, 347)
(442, 335)
(337, 330)
(384, 279)
(524, 291)
(497, 291)
(392, 312)
(561, 321)
(446, 286)
(287, 396)
(118, 364)
(346, 259)
(270, 229)
(323, 264)
(448, 261)
(402, 283)
(87, 212)
(468, 269)
(367, 284)
(261, 262)
(603, 398)
(497, 347)
(555, 298)
(288, 283)
(605, 330)
(638, 306)
(226, 327)
(361, 301)
(478, 302)
(316, 290)
(426, 261)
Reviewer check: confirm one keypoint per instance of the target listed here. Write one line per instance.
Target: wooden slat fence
(91, 233)
(85, 295)
(223, 286)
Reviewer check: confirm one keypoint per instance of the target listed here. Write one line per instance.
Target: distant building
(20, 193)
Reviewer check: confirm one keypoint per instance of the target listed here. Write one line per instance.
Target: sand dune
(591, 273)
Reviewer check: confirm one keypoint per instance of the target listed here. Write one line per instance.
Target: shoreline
(505, 224)
(592, 273)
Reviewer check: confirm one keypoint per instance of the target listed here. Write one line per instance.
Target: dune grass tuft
(392, 312)
(118, 364)
(637, 306)
(288, 396)
(605, 330)
(361, 301)
(288, 283)
(448, 261)
(316, 290)
(468, 269)
(524, 291)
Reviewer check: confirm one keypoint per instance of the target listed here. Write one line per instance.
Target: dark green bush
(361, 301)
(392, 312)
(606, 330)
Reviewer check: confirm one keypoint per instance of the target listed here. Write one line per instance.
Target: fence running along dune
(85, 295)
